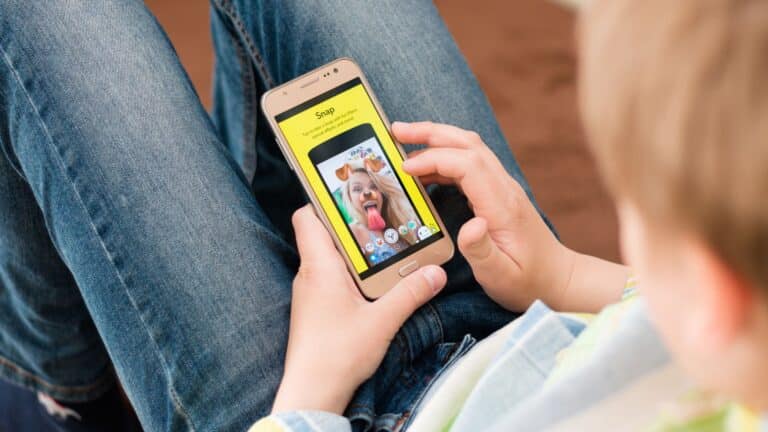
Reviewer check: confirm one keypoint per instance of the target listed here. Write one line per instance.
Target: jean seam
(62, 166)
(14, 368)
(247, 81)
(228, 8)
(431, 310)
(249, 102)
(404, 348)
(12, 160)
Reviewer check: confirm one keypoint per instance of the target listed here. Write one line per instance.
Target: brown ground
(523, 54)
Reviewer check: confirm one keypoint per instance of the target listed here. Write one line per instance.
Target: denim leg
(42, 316)
(177, 265)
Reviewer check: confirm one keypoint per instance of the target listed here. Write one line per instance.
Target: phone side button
(408, 268)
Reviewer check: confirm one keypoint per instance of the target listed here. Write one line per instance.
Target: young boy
(674, 104)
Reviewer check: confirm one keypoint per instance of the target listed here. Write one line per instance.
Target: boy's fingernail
(434, 277)
(397, 124)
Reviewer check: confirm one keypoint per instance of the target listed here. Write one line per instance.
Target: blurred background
(523, 53)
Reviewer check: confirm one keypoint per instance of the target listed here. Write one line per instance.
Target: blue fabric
(634, 350)
(520, 369)
(140, 234)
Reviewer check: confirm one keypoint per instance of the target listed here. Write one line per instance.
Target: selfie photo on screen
(369, 196)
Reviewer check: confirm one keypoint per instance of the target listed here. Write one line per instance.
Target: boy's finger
(430, 178)
(447, 162)
(416, 152)
(436, 179)
(468, 170)
(433, 134)
(482, 254)
(312, 239)
(409, 294)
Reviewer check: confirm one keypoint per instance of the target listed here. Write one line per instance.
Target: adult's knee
(81, 51)
(88, 73)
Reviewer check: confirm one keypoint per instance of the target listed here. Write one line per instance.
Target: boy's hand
(337, 339)
(513, 254)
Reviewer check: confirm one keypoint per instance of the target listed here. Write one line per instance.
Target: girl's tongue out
(375, 221)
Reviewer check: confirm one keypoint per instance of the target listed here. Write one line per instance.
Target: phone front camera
(335, 70)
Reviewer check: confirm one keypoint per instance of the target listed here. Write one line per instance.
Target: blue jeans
(141, 237)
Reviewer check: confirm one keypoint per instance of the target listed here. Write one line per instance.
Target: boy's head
(675, 101)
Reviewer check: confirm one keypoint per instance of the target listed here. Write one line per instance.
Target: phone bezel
(312, 84)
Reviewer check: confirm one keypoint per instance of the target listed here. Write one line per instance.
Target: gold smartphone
(336, 138)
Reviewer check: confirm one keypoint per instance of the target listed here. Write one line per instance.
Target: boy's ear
(343, 172)
(724, 304)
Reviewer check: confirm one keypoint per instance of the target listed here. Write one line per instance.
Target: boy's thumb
(409, 294)
(478, 248)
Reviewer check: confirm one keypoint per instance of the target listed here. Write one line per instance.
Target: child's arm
(593, 284)
(513, 254)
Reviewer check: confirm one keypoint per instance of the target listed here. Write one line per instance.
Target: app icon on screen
(423, 232)
(391, 236)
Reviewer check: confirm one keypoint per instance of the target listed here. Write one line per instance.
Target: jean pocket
(448, 354)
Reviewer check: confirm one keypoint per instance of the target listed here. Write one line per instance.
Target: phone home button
(408, 268)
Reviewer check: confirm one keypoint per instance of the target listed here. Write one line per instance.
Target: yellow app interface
(354, 169)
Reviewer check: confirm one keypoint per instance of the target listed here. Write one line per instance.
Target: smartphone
(336, 138)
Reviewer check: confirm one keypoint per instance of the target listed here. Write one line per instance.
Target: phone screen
(354, 169)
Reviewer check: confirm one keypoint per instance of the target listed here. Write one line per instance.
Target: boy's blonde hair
(675, 101)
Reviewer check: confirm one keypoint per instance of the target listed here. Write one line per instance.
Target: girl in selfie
(377, 203)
